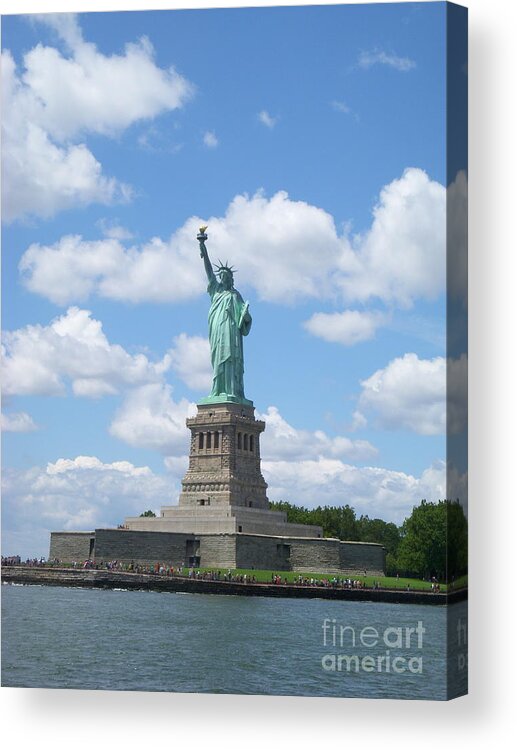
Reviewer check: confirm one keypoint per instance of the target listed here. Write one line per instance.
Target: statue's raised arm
(202, 236)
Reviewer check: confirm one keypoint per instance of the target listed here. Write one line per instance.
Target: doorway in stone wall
(283, 552)
(192, 556)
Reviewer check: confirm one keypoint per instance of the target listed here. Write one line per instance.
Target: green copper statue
(228, 321)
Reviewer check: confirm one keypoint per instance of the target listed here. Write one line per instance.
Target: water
(57, 637)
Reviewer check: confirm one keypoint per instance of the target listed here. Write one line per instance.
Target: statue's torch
(202, 236)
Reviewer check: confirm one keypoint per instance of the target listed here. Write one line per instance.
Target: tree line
(432, 541)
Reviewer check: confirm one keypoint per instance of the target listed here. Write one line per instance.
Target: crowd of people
(231, 576)
(31, 562)
(117, 566)
(334, 582)
(218, 575)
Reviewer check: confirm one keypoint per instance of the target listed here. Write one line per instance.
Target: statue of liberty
(228, 321)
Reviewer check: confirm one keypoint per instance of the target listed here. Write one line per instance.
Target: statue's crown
(225, 267)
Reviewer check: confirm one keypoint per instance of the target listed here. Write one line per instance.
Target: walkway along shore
(154, 582)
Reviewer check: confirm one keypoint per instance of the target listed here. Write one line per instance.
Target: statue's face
(226, 279)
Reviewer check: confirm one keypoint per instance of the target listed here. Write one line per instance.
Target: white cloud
(74, 494)
(85, 463)
(210, 139)
(37, 360)
(17, 422)
(402, 256)
(159, 140)
(457, 237)
(359, 421)
(73, 269)
(89, 91)
(341, 107)
(150, 418)
(190, 360)
(426, 396)
(177, 466)
(65, 25)
(286, 250)
(409, 393)
(348, 327)
(266, 119)
(273, 242)
(457, 394)
(69, 270)
(112, 230)
(283, 441)
(42, 178)
(56, 99)
(367, 60)
(378, 492)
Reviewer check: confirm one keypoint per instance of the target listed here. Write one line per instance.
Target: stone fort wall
(310, 555)
(248, 551)
(218, 551)
(142, 546)
(71, 545)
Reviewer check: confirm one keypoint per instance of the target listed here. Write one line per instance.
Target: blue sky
(312, 142)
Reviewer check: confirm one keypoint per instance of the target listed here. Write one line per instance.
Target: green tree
(422, 551)
(434, 541)
(392, 564)
(336, 521)
(148, 514)
(383, 532)
(457, 541)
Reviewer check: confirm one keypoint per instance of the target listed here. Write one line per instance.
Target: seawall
(152, 582)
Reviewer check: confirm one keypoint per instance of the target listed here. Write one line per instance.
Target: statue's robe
(228, 321)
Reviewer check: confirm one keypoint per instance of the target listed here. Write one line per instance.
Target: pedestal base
(224, 398)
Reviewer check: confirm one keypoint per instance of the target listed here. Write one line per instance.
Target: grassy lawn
(264, 576)
(385, 582)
